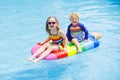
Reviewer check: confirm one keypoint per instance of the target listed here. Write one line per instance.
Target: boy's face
(74, 20)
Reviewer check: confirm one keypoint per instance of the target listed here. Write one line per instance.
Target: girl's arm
(61, 33)
(48, 39)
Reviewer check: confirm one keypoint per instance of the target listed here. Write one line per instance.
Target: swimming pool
(22, 24)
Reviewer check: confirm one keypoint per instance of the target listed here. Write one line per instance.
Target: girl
(76, 31)
(58, 38)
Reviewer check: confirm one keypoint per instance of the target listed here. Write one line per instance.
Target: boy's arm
(85, 30)
(68, 33)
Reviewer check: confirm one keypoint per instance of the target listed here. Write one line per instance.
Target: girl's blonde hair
(74, 14)
(47, 27)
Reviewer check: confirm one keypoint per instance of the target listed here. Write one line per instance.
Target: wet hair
(74, 14)
(47, 27)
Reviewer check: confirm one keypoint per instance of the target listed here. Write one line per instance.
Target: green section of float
(81, 45)
(70, 44)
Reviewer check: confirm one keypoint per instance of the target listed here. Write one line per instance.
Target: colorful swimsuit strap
(56, 38)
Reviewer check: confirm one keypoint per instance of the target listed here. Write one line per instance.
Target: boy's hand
(85, 40)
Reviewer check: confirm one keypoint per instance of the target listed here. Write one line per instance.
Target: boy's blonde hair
(74, 14)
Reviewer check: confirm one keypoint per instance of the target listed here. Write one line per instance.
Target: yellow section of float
(71, 50)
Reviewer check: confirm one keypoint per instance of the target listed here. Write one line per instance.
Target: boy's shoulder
(81, 24)
(70, 25)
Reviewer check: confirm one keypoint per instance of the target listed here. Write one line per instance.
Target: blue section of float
(92, 42)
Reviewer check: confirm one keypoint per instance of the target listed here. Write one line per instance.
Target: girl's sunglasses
(51, 23)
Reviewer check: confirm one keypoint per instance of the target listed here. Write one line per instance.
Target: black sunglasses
(51, 23)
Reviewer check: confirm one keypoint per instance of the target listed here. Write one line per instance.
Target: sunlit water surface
(22, 25)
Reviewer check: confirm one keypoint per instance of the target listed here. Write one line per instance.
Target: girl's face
(74, 20)
(52, 23)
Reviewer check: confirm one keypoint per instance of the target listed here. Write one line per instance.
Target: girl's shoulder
(60, 32)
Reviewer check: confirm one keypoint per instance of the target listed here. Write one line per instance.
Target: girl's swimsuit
(58, 40)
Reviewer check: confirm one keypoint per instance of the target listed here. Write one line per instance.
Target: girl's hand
(40, 43)
(65, 49)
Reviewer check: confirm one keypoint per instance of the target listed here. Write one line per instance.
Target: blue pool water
(22, 25)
